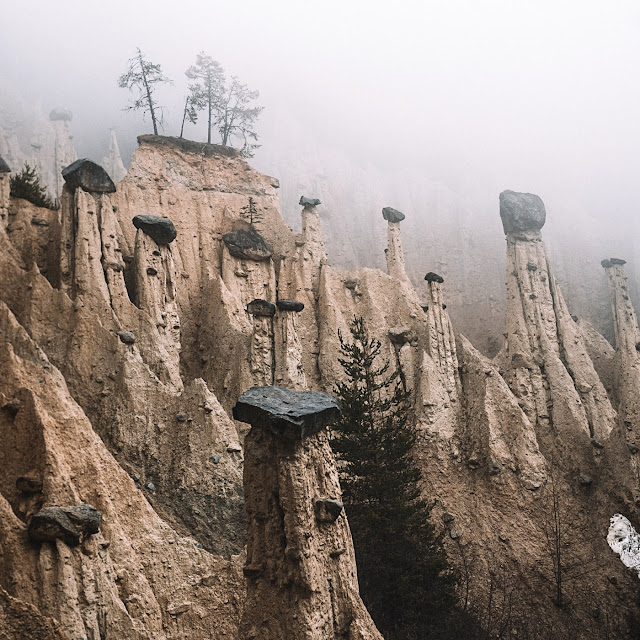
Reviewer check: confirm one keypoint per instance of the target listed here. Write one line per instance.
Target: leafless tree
(143, 76)
(207, 89)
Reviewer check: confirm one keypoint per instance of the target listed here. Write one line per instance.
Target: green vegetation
(27, 185)
(405, 579)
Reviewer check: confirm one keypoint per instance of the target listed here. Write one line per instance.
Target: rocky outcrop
(300, 570)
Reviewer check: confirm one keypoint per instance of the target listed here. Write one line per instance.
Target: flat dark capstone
(606, 263)
(260, 307)
(289, 414)
(290, 305)
(247, 245)
(392, 215)
(4, 167)
(159, 229)
(309, 202)
(328, 509)
(617, 261)
(521, 211)
(89, 176)
(69, 524)
(433, 277)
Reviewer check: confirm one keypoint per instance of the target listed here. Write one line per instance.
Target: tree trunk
(149, 100)
(210, 109)
(184, 116)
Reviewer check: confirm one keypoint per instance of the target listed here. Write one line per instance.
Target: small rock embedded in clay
(328, 509)
(521, 211)
(585, 480)
(69, 524)
(352, 283)
(159, 229)
(434, 277)
(260, 307)
(309, 202)
(399, 335)
(126, 336)
(29, 483)
(290, 305)
(448, 517)
(392, 215)
(287, 413)
(247, 245)
(89, 176)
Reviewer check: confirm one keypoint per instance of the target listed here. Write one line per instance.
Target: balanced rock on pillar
(300, 571)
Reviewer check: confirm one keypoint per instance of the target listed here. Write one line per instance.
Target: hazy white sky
(533, 95)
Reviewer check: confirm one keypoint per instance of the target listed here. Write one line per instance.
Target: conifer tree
(250, 213)
(26, 185)
(405, 580)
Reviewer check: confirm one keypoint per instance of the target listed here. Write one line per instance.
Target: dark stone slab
(619, 261)
(290, 305)
(521, 211)
(159, 229)
(392, 215)
(247, 245)
(89, 176)
(69, 524)
(260, 307)
(289, 414)
(4, 167)
(434, 277)
(328, 509)
(606, 263)
(309, 202)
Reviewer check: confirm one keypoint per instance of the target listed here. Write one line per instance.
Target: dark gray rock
(69, 524)
(448, 517)
(152, 271)
(606, 263)
(247, 245)
(39, 222)
(89, 176)
(4, 167)
(399, 335)
(532, 266)
(290, 305)
(632, 448)
(425, 307)
(29, 483)
(160, 230)
(521, 211)
(434, 277)
(60, 113)
(392, 215)
(619, 261)
(126, 336)
(181, 417)
(215, 458)
(309, 202)
(150, 486)
(287, 413)
(585, 479)
(260, 307)
(352, 283)
(328, 509)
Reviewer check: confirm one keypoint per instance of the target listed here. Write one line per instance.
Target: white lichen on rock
(625, 541)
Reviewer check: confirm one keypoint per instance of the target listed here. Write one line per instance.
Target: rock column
(289, 369)
(262, 359)
(394, 253)
(545, 360)
(627, 333)
(4, 193)
(313, 252)
(300, 571)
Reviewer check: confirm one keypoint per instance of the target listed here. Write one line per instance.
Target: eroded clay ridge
(135, 316)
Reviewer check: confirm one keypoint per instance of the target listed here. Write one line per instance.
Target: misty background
(432, 108)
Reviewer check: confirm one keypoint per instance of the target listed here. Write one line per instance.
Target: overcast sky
(533, 95)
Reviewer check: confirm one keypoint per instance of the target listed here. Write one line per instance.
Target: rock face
(89, 176)
(161, 230)
(300, 570)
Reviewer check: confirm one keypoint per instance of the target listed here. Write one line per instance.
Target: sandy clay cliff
(138, 503)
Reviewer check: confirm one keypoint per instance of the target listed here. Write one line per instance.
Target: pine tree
(26, 185)
(405, 579)
(250, 213)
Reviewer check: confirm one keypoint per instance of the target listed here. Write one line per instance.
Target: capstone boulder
(159, 229)
(521, 212)
(392, 215)
(89, 176)
(247, 245)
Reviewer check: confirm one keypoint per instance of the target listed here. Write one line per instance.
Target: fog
(475, 97)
